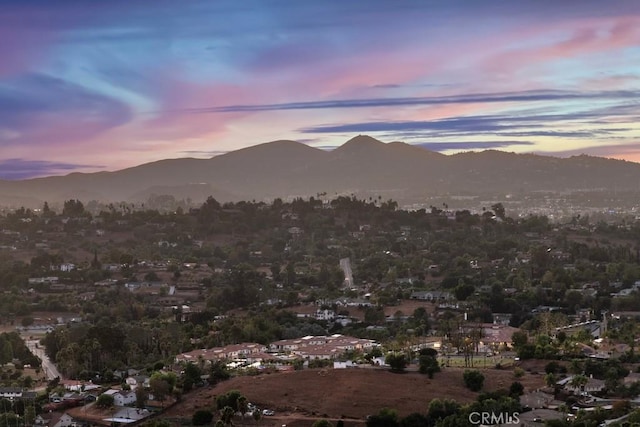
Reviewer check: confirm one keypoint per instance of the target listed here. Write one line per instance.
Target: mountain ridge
(363, 165)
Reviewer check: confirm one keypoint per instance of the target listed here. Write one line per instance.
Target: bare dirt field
(298, 397)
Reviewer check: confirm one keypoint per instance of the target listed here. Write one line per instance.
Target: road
(345, 265)
(49, 369)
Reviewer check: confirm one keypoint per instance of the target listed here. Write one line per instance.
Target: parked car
(268, 412)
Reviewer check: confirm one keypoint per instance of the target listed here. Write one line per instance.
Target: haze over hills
(362, 166)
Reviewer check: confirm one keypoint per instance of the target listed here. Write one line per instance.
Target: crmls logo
(491, 418)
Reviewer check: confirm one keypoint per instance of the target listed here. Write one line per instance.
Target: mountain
(362, 166)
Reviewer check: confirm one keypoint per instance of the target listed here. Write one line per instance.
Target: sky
(103, 85)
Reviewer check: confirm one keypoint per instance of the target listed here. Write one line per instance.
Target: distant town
(122, 314)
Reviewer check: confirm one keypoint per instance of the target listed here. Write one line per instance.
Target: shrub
(473, 380)
(516, 389)
(518, 372)
(104, 401)
(202, 417)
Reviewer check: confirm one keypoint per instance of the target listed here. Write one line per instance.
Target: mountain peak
(363, 139)
(360, 142)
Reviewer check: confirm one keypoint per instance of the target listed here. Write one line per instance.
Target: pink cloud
(586, 37)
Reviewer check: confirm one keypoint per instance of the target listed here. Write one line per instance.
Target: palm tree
(242, 405)
(550, 379)
(227, 414)
(257, 416)
(578, 382)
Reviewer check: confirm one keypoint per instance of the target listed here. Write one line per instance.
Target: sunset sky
(104, 85)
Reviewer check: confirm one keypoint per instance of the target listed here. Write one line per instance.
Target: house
(344, 365)
(43, 280)
(54, 419)
(538, 417)
(322, 347)
(10, 393)
(431, 296)
(595, 328)
(67, 266)
(137, 380)
(501, 318)
(234, 351)
(497, 336)
(122, 397)
(325, 315)
(72, 385)
(536, 399)
(593, 385)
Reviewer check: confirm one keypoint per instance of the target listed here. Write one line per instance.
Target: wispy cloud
(470, 145)
(135, 82)
(12, 169)
(609, 150)
(41, 109)
(480, 98)
(209, 153)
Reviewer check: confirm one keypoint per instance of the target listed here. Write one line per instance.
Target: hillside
(353, 393)
(362, 166)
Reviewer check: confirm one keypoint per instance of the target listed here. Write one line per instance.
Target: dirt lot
(350, 394)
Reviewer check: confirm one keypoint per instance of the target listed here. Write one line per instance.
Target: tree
(218, 372)
(442, 408)
(226, 415)
(160, 386)
(385, 418)
(29, 415)
(414, 420)
(73, 208)
(141, 397)
(230, 399)
(473, 379)
(46, 210)
(516, 389)
(104, 401)
(6, 351)
(322, 423)
(519, 339)
(202, 417)
(192, 375)
(428, 362)
(550, 379)
(397, 361)
(578, 381)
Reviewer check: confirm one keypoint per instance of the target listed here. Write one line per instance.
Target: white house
(65, 420)
(325, 315)
(431, 295)
(138, 380)
(343, 365)
(592, 385)
(121, 397)
(67, 266)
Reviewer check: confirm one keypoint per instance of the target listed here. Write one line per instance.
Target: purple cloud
(480, 98)
(14, 169)
(38, 109)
